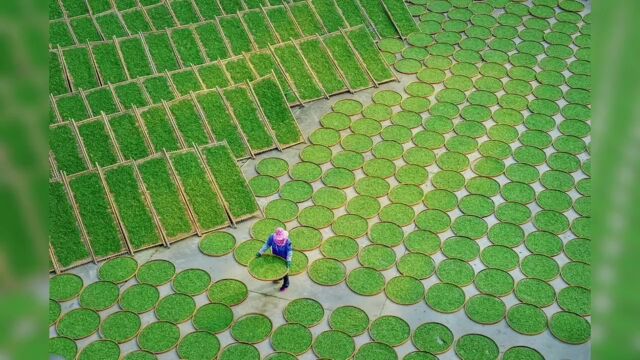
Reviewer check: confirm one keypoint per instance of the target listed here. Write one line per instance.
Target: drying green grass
(99, 295)
(165, 197)
(158, 89)
(347, 62)
(118, 270)
(333, 344)
(432, 337)
(353, 226)
(65, 287)
(351, 12)
(129, 136)
(251, 328)
(110, 25)
(186, 81)
(231, 6)
(475, 346)
(526, 319)
(239, 70)
(185, 12)
(570, 328)
(259, 28)
(217, 243)
(329, 14)
(283, 24)
(54, 312)
(455, 271)
(59, 34)
(365, 281)
(161, 17)
(62, 347)
(104, 234)
(485, 309)
(268, 268)
(159, 337)
(322, 65)
(71, 108)
(291, 338)
(100, 349)
(231, 182)
(264, 63)
(364, 45)
(85, 29)
(246, 251)
(65, 149)
(175, 308)
(212, 41)
(161, 51)
(239, 351)
(375, 351)
(404, 290)
(213, 76)
(198, 345)
(417, 265)
(64, 233)
(233, 30)
(305, 238)
(351, 320)
(306, 19)
(277, 113)
(522, 353)
(57, 81)
(120, 326)
(80, 69)
(135, 58)
(246, 113)
(445, 298)
(97, 143)
(400, 15)
(130, 94)
(294, 65)
(213, 318)
(327, 272)
(139, 298)
(386, 233)
(202, 197)
(221, 123)
(263, 228)
(102, 100)
(192, 282)
(78, 324)
(378, 257)
(390, 330)
(136, 21)
(228, 291)
(161, 133)
(376, 12)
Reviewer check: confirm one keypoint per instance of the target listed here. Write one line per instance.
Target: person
(280, 246)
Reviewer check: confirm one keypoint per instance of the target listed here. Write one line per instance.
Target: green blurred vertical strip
(165, 197)
(65, 149)
(202, 197)
(277, 112)
(127, 196)
(616, 216)
(103, 232)
(246, 113)
(221, 123)
(64, 232)
(231, 181)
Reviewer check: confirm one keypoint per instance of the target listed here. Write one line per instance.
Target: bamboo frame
(177, 237)
(107, 169)
(114, 209)
(183, 195)
(149, 203)
(115, 218)
(83, 231)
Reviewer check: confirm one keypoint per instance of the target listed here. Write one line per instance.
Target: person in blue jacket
(280, 245)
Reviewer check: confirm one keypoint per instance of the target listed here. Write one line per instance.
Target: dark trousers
(286, 281)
